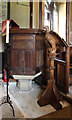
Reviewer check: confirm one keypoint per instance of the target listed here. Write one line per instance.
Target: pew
(51, 94)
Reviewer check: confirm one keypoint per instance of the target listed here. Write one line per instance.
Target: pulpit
(26, 52)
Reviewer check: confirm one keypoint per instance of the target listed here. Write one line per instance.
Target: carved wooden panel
(60, 74)
(27, 51)
(40, 51)
(40, 58)
(22, 61)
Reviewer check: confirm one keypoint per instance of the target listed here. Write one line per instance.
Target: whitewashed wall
(36, 14)
(62, 20)
(55, 21)
(20, 14)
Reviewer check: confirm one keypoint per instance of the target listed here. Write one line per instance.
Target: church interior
(36, 59)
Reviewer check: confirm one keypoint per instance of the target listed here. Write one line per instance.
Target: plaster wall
(62, 20)
(36, 14)
(20, 14)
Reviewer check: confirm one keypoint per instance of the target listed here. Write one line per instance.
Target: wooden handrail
(60, 61)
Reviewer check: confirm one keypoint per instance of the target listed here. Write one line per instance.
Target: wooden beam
(67, 40)
(8, 10)
(67, 21)
(31, 14)
(40, 14)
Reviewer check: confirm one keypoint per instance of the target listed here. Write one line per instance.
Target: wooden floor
(64, 113)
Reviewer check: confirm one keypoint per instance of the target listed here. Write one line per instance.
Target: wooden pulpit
(26, 52)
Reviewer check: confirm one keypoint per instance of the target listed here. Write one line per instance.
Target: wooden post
(8, 10)
(68, 49)
(31, 14)
(40, 14)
